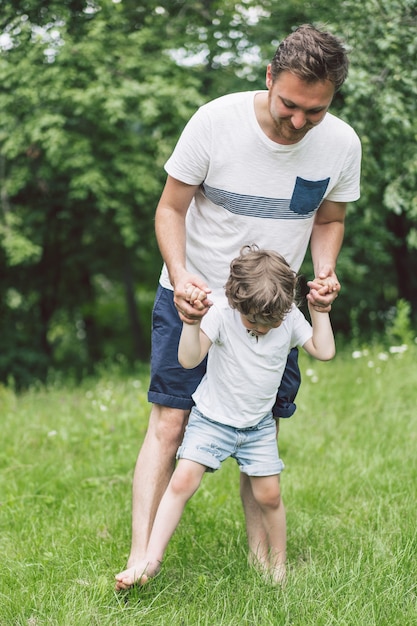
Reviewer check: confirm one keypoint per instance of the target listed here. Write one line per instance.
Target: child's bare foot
(137, 574)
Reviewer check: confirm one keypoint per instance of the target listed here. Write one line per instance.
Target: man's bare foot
(260, 563)
(278, 574)
(275, 574)
(137, 574)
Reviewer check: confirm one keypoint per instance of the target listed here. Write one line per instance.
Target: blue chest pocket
(307, 195)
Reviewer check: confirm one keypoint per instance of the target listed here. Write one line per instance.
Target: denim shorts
(171, 385)
(209, 443)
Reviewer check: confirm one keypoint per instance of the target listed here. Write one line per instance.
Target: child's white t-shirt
(244, 373)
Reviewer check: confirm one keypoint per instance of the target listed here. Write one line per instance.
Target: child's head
(261, 286)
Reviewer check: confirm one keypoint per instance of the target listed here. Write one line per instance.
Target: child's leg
(257, 540)
(266, 492)
(183, 484)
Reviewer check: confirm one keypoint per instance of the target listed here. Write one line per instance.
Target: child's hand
(330, 282)
(194, 295)
(324, 290)
(191, 298)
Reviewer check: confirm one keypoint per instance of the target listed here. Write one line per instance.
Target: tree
(382, 95)
(83, 119)
(94, 95)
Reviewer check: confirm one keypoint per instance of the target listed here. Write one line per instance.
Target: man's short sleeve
(190, 159)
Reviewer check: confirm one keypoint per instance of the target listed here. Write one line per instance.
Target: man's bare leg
(154, 467)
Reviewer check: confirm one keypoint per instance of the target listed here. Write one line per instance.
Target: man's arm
(326, 242)
(170, 233)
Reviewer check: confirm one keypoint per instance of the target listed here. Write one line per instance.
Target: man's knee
(168, 424)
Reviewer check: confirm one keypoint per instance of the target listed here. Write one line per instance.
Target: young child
(247, 342)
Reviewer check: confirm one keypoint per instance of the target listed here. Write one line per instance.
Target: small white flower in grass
(383, 356)
(312, 375)
(137, 384)
(371, 364)
(103, 407)
(358, 354)
(398, 349)
(52, 433)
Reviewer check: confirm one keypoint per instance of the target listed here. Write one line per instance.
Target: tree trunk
(405, 260)
(140, 347)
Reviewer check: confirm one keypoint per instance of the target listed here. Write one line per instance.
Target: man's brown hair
(312, 55)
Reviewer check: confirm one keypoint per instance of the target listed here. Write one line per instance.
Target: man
(272, 168)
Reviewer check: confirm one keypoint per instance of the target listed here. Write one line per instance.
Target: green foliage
(400, 331)
(18, 249)
(88, 123)
(94, 95)
(379, 101)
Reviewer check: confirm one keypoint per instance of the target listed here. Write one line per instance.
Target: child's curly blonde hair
(261, 284)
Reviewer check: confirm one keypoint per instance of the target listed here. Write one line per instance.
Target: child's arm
(194, 345)
(321, 345)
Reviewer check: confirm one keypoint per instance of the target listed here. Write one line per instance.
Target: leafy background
(94, 95)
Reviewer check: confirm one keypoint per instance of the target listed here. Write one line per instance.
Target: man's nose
(298, 119)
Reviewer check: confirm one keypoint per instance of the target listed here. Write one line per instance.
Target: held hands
(324, 290)
(195, 296)
(190, 299)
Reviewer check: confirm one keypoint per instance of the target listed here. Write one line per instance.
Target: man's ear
(268, 78)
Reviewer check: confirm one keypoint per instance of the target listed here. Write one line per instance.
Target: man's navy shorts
(171, 385)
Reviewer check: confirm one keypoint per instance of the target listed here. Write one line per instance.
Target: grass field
(350, 489)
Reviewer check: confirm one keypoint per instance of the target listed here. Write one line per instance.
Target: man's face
(296, 106)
